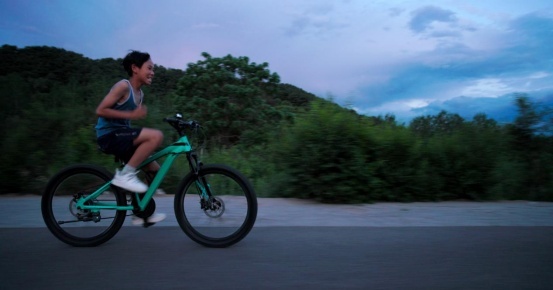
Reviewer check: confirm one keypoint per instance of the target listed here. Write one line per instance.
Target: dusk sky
(407, 58)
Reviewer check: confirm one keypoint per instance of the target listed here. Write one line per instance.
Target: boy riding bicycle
(114, 133)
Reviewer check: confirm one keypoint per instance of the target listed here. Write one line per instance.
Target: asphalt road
(298, 245)
(286, 258)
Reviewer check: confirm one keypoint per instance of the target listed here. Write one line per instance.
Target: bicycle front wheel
(78, 227)
(216, 208)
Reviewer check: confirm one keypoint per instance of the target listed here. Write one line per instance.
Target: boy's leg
(151, 171)
(152, 167)
(145, 143)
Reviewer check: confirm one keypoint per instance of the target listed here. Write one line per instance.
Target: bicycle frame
(182, 145)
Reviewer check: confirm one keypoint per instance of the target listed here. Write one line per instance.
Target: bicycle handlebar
(180, 125)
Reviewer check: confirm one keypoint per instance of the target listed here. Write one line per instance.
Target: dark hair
(134, 57)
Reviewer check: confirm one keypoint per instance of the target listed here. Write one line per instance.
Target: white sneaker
(156, 217)
(129, 181)
(160, 191)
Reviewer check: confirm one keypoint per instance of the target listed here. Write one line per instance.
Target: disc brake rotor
(81, 214)
(214, 208)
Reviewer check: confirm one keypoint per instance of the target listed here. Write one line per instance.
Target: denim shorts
(119, 143)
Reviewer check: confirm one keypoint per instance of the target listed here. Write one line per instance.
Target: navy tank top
(108, 125)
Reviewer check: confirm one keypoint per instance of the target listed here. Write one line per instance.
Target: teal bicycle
(215, 205)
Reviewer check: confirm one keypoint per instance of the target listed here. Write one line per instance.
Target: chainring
(147, 212)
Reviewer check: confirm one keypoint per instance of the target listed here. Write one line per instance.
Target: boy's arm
(119, 91)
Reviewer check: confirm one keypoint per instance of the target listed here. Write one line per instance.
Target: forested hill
(36, 72)
(49, 95)
(56, 78)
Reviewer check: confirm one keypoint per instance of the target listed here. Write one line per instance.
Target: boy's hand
(140, 112)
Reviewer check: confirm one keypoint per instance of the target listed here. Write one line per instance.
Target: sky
(406, 58)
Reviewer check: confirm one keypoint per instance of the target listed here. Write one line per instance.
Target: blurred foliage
(288, 142)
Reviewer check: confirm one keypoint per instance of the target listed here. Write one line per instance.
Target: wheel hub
(214, 207)
(83, 214)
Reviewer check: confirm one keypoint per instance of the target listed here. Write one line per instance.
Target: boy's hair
(134, 57)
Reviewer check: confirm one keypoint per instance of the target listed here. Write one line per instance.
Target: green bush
(325, 155)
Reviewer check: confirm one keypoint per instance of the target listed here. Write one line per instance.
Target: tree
(443, 123)
(229, 96)
(531, 145)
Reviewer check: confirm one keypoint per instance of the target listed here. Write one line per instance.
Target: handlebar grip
(180, 122)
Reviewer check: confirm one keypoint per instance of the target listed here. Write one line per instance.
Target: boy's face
(145, 73)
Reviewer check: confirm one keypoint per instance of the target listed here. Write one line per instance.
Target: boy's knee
(158, 136)
(153, 136)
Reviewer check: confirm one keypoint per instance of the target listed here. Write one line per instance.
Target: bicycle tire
(232, 214)
(78, 227)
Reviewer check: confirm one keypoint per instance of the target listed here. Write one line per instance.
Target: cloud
(469, 79)
(532, 33)
(319, 20)
(424, 17)
(395, 11)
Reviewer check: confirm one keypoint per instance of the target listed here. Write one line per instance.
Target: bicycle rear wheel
(223, 219)
(76, 227)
